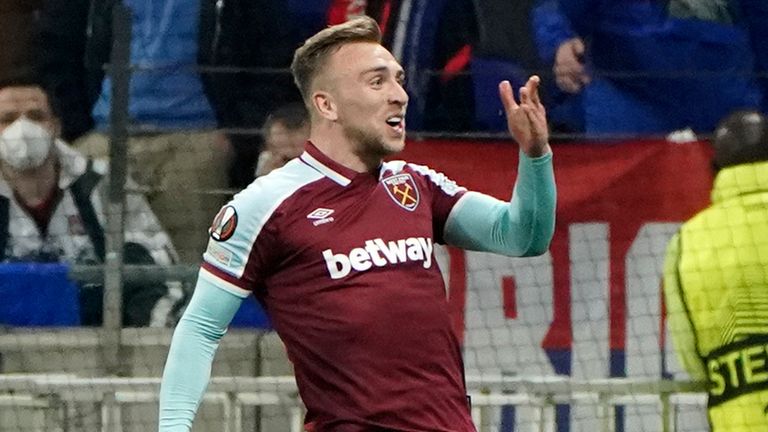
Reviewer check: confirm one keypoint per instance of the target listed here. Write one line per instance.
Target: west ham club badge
(402, 189)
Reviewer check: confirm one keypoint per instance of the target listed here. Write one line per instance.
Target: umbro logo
(320, 216)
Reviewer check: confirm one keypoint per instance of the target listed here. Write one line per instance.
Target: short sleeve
(239, 242)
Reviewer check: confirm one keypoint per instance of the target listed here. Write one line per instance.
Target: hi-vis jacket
(75, 231)
(716, 291)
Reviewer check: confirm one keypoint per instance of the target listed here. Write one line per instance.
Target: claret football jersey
(343, 264)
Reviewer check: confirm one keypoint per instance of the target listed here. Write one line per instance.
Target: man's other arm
(521, 227)
(195, 340)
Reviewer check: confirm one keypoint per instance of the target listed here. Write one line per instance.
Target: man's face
(285, 144)
(29, 101)
(366, 83)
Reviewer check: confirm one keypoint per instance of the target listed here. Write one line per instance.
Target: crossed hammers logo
(406, 198)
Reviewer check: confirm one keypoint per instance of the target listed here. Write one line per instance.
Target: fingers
(577, 45)
(529, 95)
(533, 86)
(572, 81)
(584, 78)
(568, 83)
(507, 97)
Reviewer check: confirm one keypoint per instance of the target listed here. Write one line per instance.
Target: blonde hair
(310, 58)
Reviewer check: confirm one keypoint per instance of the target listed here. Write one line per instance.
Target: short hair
(21, 80)
(293, 116)
(741, 137)
(312, 56)
(32, 80)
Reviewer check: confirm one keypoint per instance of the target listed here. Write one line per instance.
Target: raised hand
(527, 121)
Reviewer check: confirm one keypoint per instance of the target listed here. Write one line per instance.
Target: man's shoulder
(267, 193)
(242, 221)
(707, 219)
(400, 167)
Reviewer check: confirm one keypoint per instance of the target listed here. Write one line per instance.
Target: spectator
(502, 47)
(647, 69)
(286, 131)
(52, 203)
(715, 280)
(256, 34)
(449, 101)
(564, 52)
(174, 150)
(434, 41)
(749, 15)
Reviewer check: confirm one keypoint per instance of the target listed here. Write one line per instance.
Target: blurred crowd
(212, 104)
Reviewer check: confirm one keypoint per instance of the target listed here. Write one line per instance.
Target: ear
(325, 105)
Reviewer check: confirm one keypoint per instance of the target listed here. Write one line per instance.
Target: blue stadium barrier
(34, 294)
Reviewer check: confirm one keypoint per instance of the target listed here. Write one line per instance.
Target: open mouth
(397, 123)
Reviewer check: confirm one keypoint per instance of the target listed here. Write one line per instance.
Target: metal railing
(149, 273)
(53, 395)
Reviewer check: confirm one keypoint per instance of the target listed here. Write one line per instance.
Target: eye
(37, 115)
(377, 82)
(8, 118)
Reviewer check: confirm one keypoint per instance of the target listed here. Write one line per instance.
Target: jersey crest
(403, 191)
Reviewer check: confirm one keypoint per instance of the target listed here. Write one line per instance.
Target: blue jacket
(754, 14)
(165, 36)
(678, 67)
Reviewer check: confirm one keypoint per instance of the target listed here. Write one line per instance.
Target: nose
(398, 95)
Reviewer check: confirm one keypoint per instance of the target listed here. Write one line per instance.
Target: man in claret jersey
(338, 247)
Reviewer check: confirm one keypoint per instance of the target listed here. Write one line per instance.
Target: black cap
(741, 137)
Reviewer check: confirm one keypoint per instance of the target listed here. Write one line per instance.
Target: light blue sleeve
(195, 340)
(522, 227)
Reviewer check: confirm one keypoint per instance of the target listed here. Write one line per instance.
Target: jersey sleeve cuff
(535, 161)
(223, 280)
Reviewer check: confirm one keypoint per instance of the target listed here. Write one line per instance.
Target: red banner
(622, 186)
(659, 179)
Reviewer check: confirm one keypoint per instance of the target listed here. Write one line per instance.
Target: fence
(52, 396)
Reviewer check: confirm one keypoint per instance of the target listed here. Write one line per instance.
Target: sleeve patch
(224, 224)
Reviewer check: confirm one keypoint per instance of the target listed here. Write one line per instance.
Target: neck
(330, 139)
(33, 186)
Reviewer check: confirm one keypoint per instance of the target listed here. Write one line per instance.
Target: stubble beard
(369, 145)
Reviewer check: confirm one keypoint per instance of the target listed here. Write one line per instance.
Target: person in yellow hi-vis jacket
(716, 280)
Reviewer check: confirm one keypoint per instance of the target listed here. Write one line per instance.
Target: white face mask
(25, 144)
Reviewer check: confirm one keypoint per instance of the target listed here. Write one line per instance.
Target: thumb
(578, 46)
